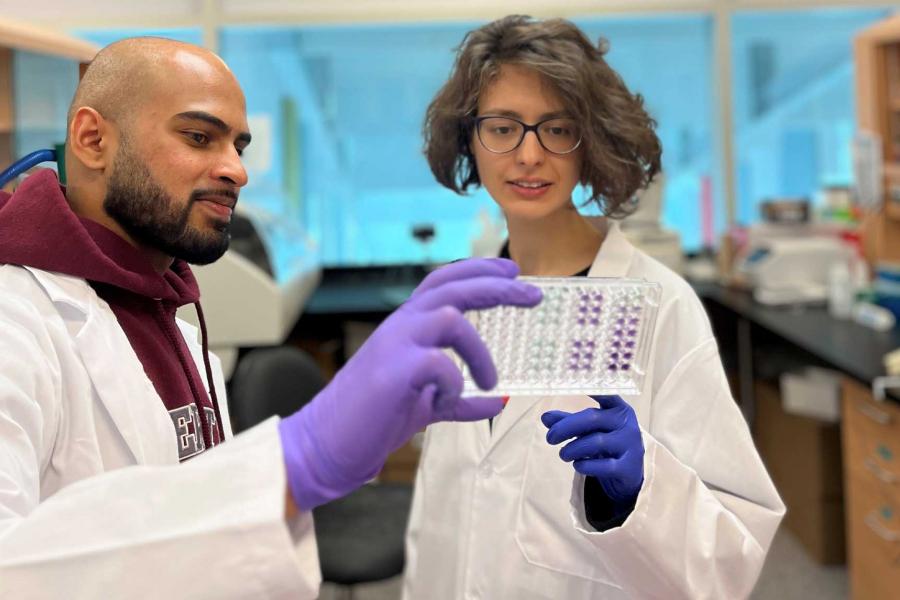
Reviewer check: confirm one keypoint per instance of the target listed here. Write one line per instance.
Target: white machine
(254, 294)
(643, 228)
(791, 270)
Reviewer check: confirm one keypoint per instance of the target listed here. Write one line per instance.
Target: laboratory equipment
(645, 230)
(788, 270)
(253, 295)
(588, 336)
(424, 233)
(841, 291)
(785, 210)
(26, 162)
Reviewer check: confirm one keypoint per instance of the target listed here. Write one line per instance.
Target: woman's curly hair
(621, 150)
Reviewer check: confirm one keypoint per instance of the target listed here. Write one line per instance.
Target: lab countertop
(842, 344)
(364, 290)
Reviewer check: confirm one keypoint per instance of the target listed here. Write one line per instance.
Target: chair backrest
(272, 381)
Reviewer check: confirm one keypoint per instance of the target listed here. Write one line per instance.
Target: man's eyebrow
(222, 126)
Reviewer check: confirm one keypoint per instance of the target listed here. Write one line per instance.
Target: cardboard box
(814, 392)
(803, 456)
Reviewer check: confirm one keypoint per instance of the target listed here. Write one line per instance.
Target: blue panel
(42, 94)
(793, 102)
(362, 95)
(668, 60)
(361, 98)
(800, 169)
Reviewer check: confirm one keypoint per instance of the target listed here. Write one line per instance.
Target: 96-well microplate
(587, 336)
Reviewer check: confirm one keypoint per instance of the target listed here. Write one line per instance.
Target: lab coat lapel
(516, 410)
(110, 370)
(123, 388)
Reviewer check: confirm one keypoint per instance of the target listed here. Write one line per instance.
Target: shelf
(6, 85)
(24, 36)
(877, 61)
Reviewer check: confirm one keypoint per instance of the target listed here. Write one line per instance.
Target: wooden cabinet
(871, 441)
(877, 62)
(6, 107)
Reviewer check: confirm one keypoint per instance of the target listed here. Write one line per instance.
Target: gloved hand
(608, 446)
(399, 381)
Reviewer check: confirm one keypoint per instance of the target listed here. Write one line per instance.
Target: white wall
(74, 14)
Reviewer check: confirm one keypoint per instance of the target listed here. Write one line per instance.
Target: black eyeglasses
(504, 134)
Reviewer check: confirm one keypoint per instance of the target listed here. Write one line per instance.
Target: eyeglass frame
(476, 123)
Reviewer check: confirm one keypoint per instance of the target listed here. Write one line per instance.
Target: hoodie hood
(38, 229)
(60, 241)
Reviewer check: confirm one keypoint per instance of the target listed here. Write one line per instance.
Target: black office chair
(271, 381)
(360, 537)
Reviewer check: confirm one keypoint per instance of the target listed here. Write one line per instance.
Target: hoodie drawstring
(168, 326)
(209, 375)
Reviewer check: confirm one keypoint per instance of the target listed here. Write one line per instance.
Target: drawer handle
(879, 416)
(882, 474)
(880, 530)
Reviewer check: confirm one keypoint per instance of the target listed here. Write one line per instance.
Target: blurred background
(780, 201)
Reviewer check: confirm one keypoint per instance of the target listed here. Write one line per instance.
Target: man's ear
(91, 138)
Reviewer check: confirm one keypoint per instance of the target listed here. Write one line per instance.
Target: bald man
(118, 477)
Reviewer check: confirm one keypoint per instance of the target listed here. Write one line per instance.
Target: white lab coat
(499, 515)
(76, 407)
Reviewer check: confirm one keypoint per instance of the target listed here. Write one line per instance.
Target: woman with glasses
(662, 496)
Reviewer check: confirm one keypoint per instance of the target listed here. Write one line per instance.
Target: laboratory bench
(364, 292)
(840, 481)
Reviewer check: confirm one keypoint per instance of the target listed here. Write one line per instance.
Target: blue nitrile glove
(399, 381)
(608, 446)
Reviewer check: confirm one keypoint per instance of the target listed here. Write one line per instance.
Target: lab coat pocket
(545, 532)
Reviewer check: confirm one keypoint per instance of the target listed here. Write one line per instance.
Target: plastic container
(873, 316)
(588, 336)
(841, 291)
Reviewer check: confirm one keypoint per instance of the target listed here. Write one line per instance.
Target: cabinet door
(870, 432)
(871, 438)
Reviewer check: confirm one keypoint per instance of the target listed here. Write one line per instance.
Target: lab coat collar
(64, 289)
(616, 253)
(613, 260)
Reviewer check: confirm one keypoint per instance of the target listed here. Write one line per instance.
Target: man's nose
(231, 169)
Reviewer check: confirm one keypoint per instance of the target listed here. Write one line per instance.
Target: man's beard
(152, 217)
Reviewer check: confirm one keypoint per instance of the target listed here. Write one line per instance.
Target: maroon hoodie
(38, 229)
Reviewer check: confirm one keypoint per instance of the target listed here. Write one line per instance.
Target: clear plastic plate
(587, 336)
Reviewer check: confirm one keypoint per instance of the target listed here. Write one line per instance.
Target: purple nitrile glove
(608, 446)
(399, 381)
